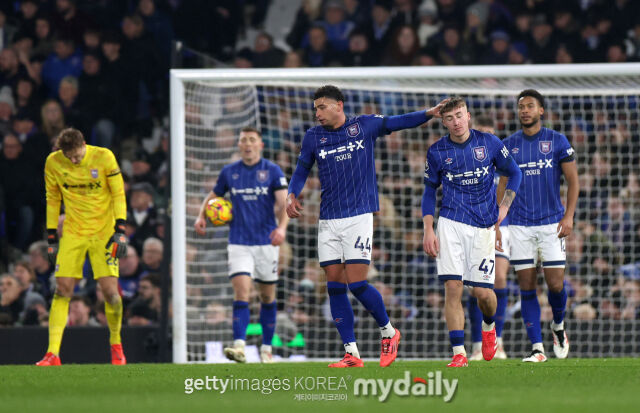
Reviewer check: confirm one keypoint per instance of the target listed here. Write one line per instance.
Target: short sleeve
(501, 153)
(432, 170)
(222, 185)
(278, 181)
(376, 124)
(564, 151)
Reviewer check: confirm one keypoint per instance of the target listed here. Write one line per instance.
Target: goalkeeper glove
(52, 250)
(118, 241)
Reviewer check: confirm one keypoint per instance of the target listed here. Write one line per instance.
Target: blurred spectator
(319, 53)
(80, 313)
(141, 168)
(11, 304)
(498, 53)
(403, 47)
(450, 12)
(68, 98)
(10, 68)
(70, 22)
(7, 31)
(293, 60)
(543, 47)
(159, 25)
(265, 54)
(131, 271)
(65, 61)
(451, 51)
(428, 24)
(44, 38)
(91, 41)
(44, 270)
(52, 120)
(336, 26)
(143, 214)
(33, 303)
(17, 177)
(380, 27)
(147, 306)
(152, 254)
(360, 52)
(243, 59)
(308, 13)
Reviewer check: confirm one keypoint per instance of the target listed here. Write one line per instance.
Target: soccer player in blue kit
(464, 162)
(538, 221)
(258, 194)
(484, 124)
(343, 148)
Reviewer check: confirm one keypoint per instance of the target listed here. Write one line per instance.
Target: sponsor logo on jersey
(262, 175)
(570, 151)
(545, 147)
(350, 147)
(477, 173)
(283, 181)
(258, 190)
(480, 153)
(94, 173)
(353, 130)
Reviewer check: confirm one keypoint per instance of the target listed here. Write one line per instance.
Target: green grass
(572, 385)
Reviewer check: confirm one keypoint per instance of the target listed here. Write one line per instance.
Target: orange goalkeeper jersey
(92, 192)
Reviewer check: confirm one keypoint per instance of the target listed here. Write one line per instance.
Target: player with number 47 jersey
(464, 162)
(538, 221)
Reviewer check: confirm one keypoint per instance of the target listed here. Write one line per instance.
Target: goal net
(595, 106)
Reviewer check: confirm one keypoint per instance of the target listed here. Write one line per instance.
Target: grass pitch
(572, 385)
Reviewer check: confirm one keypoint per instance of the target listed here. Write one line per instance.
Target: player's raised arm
(412, 119)
(570, 171)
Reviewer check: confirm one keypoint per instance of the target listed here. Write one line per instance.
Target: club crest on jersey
(353, 130)
(323, 140)
(262, 175)
(480, 153)
(448, 161)
(545, 147)
(94, 173)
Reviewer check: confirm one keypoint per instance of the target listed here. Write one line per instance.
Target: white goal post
(596, 105)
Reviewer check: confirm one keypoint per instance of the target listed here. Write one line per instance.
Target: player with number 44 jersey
(538, 220)
(464, 246)
(343, 149)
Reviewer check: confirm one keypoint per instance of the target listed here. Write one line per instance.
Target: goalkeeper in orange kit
(88, 180)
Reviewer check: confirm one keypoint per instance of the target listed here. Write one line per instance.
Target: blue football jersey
(539, 157)
(466, 172)
(346, 165)
(252, 190)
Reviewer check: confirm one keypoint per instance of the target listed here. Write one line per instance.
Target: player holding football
(538, 221)
(464, 162)
(258, 193)
(88, 180)
(343, 148)
(485, 124)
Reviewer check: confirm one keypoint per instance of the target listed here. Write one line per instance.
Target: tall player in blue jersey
(258, 195)
(464, 162)
(539, 222)
(484, 124)
(343, 149)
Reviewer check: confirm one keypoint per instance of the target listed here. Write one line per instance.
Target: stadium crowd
(102, 67)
